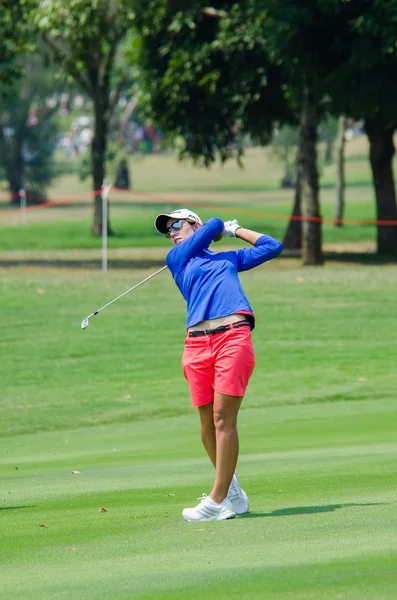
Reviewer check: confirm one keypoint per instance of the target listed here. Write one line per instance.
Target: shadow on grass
(353, 183)
(365, 258)
(83, 264)
(350, 258)
(307, 510)
(14, 507)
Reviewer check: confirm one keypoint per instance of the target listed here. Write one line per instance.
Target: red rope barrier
(267, 215)
(164, 199)
(52, 203)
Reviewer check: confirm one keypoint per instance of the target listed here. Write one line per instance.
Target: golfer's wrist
(247, 235)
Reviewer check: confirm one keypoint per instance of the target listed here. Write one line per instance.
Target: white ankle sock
(213, 503)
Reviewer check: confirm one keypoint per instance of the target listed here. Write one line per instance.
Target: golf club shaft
(130, 290)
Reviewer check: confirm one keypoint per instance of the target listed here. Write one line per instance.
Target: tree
(356, 67)
(214, 73)
(340, 172)
(13, 37)
(28, 130)
(311, 225)
(365, 88)
(301, 35)
(208, 77)
(343, 56)
(349, 47)
(84, 37)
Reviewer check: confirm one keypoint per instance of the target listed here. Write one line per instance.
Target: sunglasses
(176, 226)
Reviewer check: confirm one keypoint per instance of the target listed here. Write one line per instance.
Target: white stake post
(105, 195)
(22, 203)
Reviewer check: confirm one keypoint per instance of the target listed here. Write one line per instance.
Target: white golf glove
(231, 228)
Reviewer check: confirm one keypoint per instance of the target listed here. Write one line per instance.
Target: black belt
(219, 329)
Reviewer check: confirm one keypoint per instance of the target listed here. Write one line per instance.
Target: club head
(84, 323)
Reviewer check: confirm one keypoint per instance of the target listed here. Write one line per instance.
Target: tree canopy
(84, 37)
(208, 76)
(14, 35)
(28, 130)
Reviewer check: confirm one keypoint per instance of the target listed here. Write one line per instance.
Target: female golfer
(218, 357)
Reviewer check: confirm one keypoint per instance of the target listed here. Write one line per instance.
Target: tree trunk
(98, 153)
(14, 177)
(381, 155)
(311, 228)
(293, 236)
(14, 168)
(329, 144)
(340, 172)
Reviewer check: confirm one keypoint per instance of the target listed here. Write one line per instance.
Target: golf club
(84, 323)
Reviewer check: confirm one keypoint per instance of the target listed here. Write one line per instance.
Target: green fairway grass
(317, 432)
(320, 524)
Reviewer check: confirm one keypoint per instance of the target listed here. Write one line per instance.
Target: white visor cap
(160, 221)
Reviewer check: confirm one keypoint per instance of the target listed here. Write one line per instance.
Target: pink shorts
(222, 362)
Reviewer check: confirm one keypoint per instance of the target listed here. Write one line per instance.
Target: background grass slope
(251, 194)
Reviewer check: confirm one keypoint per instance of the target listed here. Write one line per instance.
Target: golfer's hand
(231, 228)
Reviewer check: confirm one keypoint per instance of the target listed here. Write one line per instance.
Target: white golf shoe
(208, 510)
(238, 497)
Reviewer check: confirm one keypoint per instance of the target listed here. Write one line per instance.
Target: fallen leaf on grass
(75, 472)
(102, 509)
(173, 495)
(362, 379)
(46, 526)
(196, 530)
(71, 548)
(40, 291)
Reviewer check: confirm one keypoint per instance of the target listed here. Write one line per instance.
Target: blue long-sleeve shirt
(209, 281)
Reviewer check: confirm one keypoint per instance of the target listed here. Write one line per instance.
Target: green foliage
(345, 49)
(209, 79)
(213, 73)
(89, 32)
(85, 37)
(364, 84)
(14, 37)
(28, 130)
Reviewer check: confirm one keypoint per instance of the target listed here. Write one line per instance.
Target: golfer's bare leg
(227, 446)
(207, 430)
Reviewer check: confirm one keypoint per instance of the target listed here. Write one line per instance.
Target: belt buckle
(207, 332)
